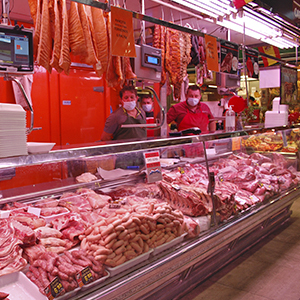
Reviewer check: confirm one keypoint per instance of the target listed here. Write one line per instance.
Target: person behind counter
(192, 112)
(128, 113)
(147, 105)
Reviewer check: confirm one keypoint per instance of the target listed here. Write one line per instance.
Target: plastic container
(230, 119)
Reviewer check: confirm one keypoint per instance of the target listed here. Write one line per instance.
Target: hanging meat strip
(51, 5)
(57, 40)
(35, 10)
(185, 58)
(65, 59)
(159, 41)
(76, 35)
(91, 58)
(44, 50)
(128, 70)
(163, 53)
(101, 40)
(156, 36)
(172, 62)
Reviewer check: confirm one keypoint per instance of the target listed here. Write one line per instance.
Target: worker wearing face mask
(128, 113)
(192, 113)
(147, 105)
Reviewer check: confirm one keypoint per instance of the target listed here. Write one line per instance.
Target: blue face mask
(193, 101)
(130, 105)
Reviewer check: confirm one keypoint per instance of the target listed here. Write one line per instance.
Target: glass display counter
(218, 195)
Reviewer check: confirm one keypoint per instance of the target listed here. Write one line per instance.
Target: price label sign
(153, 167)
(84, 277)
(236, 143)
(54, 289)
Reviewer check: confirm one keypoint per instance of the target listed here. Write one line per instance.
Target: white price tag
(4, 214)
(34, 210)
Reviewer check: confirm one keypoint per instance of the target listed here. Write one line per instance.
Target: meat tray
(19, 287)
(168, 245)
(96, 282)
(129, 264)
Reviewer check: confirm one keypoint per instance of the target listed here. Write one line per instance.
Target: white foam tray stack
(13, 136)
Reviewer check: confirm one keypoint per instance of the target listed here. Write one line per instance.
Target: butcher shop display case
(143, 219)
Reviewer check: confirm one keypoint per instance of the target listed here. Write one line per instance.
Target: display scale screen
(16, 50)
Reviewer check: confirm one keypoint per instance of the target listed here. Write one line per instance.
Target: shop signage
(211, 53)
(288, 85)
(54, 289)
(153, 168)
(252, 63)
(122, 38)
(229, 57)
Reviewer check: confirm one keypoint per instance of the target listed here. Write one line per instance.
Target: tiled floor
(268, 271)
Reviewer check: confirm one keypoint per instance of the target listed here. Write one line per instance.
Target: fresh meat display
(24, 233)
(86, 177)
(27, 218)
(191, 200)
(48, 266)
(95, 200)
(74, 202)
(125, 235)
(11, 259)
(242, 180)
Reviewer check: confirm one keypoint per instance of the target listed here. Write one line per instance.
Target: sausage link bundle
(126, 235)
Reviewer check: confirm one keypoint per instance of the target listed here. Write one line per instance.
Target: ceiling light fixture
(257, 25)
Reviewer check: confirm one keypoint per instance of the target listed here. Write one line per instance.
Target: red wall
(67, 108)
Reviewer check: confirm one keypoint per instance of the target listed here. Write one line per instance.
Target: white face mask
(193, 101)
(130, 105)
(147, 107)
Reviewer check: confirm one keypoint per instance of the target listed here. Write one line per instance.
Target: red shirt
(178, 111)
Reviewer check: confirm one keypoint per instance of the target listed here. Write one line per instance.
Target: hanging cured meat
(178, 48)
(172, 60)
(127, 68)
(44, 50)
(64, 60)
(57, 39)
(35, 10)
(100, 36)
(91, 58)
(159, 41)
(76, 35)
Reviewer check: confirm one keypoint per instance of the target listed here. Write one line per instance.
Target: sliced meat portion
(74, 202)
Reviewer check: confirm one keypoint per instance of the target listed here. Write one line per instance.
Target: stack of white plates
(12, 130)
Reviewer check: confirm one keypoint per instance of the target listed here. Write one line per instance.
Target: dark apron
(131, 133)
(190, 120)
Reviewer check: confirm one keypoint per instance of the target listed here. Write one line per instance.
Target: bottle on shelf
(230, 119)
